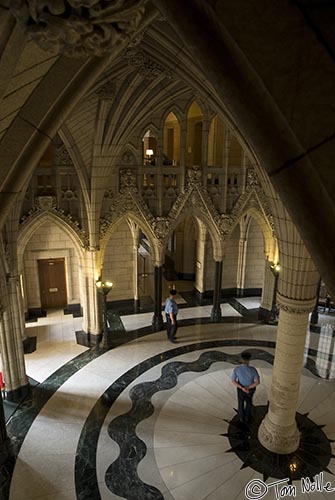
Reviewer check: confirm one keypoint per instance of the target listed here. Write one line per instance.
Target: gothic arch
(143, 225)
(208, 224)
(36, 220)
(270, 242)
(176, 111)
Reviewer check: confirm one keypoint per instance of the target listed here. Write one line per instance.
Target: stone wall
(49, 241)
(118, 263)
(254, 270)
(229, 274)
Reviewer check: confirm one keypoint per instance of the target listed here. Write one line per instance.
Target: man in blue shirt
(246, 379)
(171, 311)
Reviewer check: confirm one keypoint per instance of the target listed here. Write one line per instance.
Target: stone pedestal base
(157, 323)
(216, 315)
(282, 440)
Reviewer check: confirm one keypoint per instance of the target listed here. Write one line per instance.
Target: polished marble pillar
(4, 441)
(157, 320)
(216, 309)
(278, 431)
(315, 314)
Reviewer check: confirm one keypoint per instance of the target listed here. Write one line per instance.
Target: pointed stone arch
(38, 219)
(143, 225)
(270, 242)
(74, 263)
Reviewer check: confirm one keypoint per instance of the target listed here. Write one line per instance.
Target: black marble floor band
(121, 477)
(86, 482)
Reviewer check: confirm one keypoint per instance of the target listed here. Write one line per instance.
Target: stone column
(157, 320)
(216, 309)
(11, 346)
(92, 320)
(242, 258)
(267, 294)
(200, 264)
(278, 431)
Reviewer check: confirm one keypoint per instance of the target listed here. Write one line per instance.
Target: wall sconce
(275, 268)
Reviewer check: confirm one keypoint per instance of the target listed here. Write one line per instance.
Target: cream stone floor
(186, 456)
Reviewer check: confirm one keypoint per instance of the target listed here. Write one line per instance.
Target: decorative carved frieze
(294, 306)
(45, 202)
(69, 194)
(145, 66)
(193, 175)
(62, 156)
(128, 157)
(127, 179)
(106, 91)
(195, 198)
(79, 27)
(50, 206)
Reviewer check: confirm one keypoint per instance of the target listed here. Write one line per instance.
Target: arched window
(149, 145)
(194, 135)
(216, 142)
(171, 152)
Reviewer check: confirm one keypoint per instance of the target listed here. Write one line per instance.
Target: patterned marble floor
(147, 420)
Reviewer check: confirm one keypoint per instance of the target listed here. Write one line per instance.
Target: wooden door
(51, 273)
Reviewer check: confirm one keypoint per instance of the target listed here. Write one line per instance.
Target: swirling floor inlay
(141, 466)
(123, 428)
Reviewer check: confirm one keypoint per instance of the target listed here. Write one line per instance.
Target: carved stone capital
(161, 227)
(79, 27)
(293, 306)
(278, 439)
(127, 179)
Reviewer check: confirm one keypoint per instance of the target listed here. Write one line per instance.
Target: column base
(17, 395)
(277, 439)
(88, 339)
(314, 317)
(157, 323)
(216, 315)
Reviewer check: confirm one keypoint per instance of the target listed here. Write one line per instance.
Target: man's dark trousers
(244, 405)
(170, 328)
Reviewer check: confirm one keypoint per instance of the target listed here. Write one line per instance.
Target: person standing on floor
(171, 311)
(246, 379)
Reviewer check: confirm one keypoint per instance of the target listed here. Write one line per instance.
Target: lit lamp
(275, 268)
(103, 288)
(149, 153)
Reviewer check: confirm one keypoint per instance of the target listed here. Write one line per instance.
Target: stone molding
(195, 198)
(106, 91)
(277, 439)
(63, 156)
(146, 67)
(78, 28)
(28, 218)
(294, 306)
